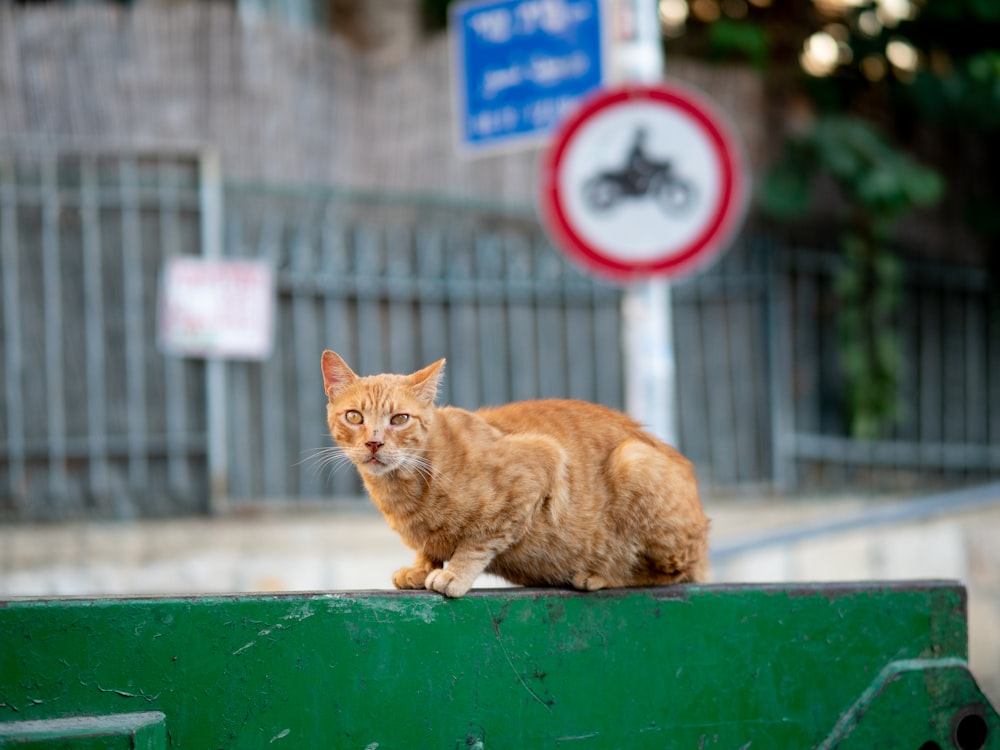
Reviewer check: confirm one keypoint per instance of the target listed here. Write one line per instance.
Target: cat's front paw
(445, 582)
(588, 582)
(409, 578)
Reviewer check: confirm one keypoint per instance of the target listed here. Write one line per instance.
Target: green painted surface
(686, 666)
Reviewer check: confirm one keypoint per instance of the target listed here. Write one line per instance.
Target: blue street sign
(521, 65)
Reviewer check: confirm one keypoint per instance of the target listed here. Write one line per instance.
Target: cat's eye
(354, 417)
(399, 419)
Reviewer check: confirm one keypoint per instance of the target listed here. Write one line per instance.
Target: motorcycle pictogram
(641, 176)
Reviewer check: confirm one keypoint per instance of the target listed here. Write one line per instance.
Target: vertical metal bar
(433, 321)
(210, 203)
(335, 267)
(904, 428)
(10, 273)
(304, 314)
(337, 313)
(711, 330)
(463, 329)
(975, 370)
(402, 326)
(135, 344)
(371, 331)
(271, 396)
(762, 380)
(493, 352)
(739, 368)
(779, 355)
(242, 466)
(169, 186)
(522, 319)
(54, 361)
(549, 325)
(931, 401)
(953, 363)
(693, 426)
(93, 295)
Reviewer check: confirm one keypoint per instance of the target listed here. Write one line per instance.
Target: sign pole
(650, 365)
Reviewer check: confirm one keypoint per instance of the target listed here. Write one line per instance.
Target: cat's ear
(425, 381)
(336, 374)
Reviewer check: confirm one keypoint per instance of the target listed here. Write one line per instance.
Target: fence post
(210, 199)
(779, 356)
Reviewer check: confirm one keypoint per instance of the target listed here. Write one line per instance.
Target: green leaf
(744, 40)
(923, 186)
(785, 192)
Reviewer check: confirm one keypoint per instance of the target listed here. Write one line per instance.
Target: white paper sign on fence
(217, 308)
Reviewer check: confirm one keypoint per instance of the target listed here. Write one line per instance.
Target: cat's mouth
(375, 463)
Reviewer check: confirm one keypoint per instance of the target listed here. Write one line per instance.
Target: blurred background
(838, 369)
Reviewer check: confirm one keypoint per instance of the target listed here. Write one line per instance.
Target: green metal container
(706, 666)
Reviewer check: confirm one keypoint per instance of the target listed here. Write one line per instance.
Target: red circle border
(726, 217)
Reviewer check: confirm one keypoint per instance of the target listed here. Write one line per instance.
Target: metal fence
(96, 421)
(948, 428)
(723, 339)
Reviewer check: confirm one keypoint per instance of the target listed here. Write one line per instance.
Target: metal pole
(211, 247)
(650, 366)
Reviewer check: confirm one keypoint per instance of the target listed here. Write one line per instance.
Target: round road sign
(643, 180)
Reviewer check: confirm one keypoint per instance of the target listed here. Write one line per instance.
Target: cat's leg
(464, 567)
(415, 577)
(521, 474)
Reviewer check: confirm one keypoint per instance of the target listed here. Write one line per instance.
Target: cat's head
(380, 422)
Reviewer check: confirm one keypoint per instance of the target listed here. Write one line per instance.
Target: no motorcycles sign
(643, 181)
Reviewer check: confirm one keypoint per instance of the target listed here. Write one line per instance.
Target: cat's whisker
(422, 466)
(314, 454)
(331, 457)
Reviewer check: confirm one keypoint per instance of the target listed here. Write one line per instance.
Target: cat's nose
(373, 446)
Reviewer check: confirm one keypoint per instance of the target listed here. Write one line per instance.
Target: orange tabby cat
(543, 493)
